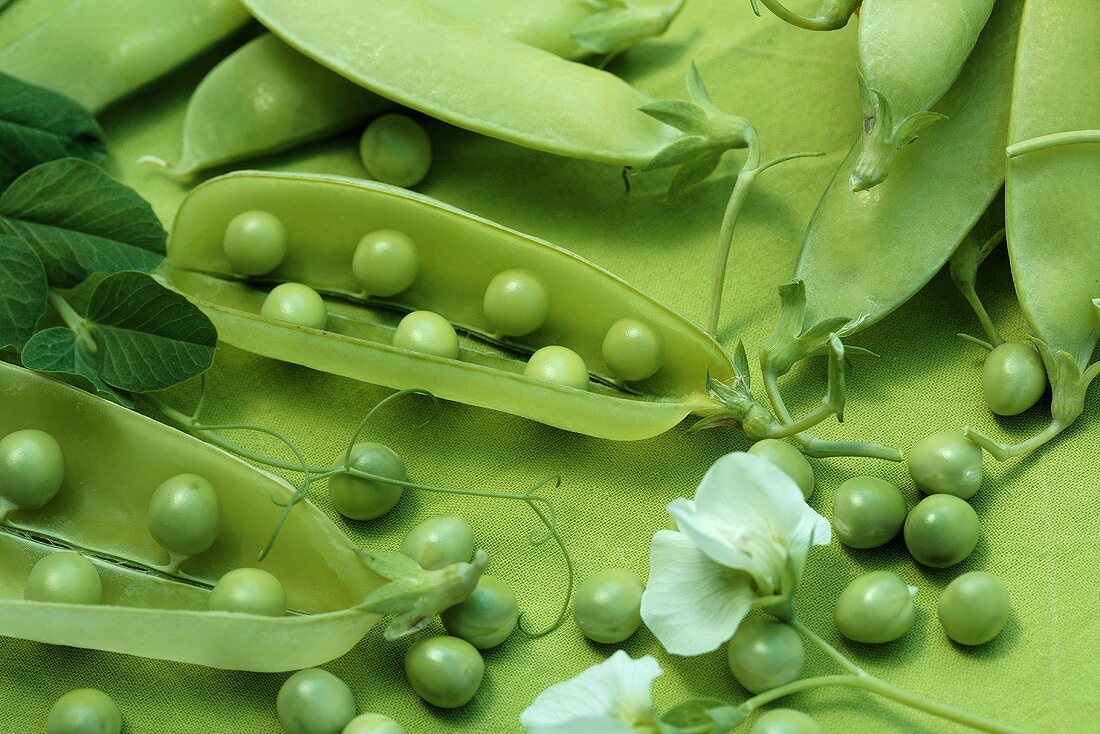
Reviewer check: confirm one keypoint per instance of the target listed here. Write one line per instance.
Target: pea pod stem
(832, 16)
(963, 268)
(1043, 142)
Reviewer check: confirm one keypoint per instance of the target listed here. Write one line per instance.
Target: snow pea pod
(1052, 211)
(866, 254)
(115, 459)
(99, 51)
(909, 56)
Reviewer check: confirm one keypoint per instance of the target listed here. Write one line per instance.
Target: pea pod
(909, 56)
(1052, 216)
(99, 51)
(866, 254)
(114, 460)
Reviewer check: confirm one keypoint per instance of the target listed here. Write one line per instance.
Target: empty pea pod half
(114, 462)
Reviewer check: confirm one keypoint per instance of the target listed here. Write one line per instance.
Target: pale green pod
(115, 459)
(910, 53)
(99, 51)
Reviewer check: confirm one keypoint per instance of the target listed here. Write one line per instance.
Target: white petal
(691, 603)
(587, 725)
(616, 689)
(751, 492)
(813, 522)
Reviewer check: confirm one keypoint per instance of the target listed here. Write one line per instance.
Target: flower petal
(691, 603)
(614, 691)
(751, 492)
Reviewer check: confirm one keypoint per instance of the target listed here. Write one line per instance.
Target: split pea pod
(114, 460)
(99, 51)
(866, 254)
(1052, 203)
(910, 54)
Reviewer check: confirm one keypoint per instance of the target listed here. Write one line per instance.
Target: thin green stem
(837, 656)
(971, 296)
(1004, 451)
(1043, 142)
(975, 340)
(725, 237)
(824, 21)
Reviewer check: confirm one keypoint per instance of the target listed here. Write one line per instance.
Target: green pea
(792, 461)
(373, 724)
(296, 304)
(32, 469)
(444, 671)
(385, 263)
(874, 608)
(185, 515)
(974, 608)
(249, 591)
(440, 541)
(607, 606)
(64, 578)
(84, 711)
(427, 332)
(487, 617)
(1013, 378)
(314, 701)
(941, 531)
(559, 365)
(867, 512)
(396, 150)
(785, 721)
(367, 499)
(765, 653)
(946, 463)
(255, 242)
(633, 349)
(516, 302)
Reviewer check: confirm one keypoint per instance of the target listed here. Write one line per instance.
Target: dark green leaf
(38, 125)
(22, 293)
(81, 221)
(148, 338)
(55, 350)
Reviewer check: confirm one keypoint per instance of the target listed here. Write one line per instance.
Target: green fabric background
(799, 88)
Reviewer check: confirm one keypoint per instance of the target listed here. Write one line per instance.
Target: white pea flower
(610, 698)
(742, 544)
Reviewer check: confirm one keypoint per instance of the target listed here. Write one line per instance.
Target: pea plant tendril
(543, 508)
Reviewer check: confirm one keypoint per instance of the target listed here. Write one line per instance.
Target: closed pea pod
(84, 711)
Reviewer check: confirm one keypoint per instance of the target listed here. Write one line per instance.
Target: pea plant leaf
(55, 350)
(23, 295)
(81, 221)
(38, 125)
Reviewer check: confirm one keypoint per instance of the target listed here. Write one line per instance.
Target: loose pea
(396, 150)
(440, 541)
(373, 724)
(876, 607)
(84, 711)
(941, 531)
(427, 332)
(296, 304)
(385, 263)
(946, 463)
(559, 365)
(185, 515)
(1013, 378)
(765, 653)
(785, 721)
(792, 461)
(444, 671)
(633, 349)
(65, 578)
(516, 302)
(249, 591)
(607, 606)
(974, 608)
(488, 615)
(367, 499)
(255, 242)
(32, 468)
(314, 701)
(867, 512)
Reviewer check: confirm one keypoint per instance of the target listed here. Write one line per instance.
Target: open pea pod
(865, 254)
(1051, 207)
(114, 460)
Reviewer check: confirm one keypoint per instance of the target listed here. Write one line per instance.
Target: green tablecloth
(799, 88)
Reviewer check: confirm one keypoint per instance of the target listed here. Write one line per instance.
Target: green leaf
(81, 221)
(693, 171)
(23, 294)
(148, 338)
(908, 129)
(38, 125)
(55, 350)
(726, 718)
(702, 716)
(682, 115)
(741, 364)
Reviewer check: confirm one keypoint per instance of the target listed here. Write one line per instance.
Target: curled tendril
(400, 394)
